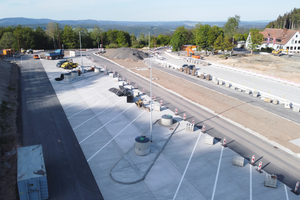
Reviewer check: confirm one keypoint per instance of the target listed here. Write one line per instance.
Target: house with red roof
(279, 39)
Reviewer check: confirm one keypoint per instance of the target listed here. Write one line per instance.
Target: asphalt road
(275, 161)
(43, 121)
(275, 109)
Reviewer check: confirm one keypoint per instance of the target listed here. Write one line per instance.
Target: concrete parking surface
(106, 125)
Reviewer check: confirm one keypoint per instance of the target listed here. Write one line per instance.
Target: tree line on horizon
(54, 37)
(289, 20)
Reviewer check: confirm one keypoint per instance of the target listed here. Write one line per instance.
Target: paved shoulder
(44, 122)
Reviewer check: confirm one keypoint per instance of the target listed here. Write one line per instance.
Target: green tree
(69, 37)
(231, 26)
(202, 37)
(179, 38)
(51, 31)
(222, 43)
(256, 39)
(96, 35)
(7, 40)
(86, 40)
(213, 33)
(41, 40)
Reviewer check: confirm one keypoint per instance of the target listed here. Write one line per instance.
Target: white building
(279, 39)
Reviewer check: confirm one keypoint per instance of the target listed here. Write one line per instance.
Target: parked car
(36, 56)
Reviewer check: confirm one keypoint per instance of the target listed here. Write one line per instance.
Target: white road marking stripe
(90, 106)
(105, 124)
(97, 114)
(114, 137)
(216, 180)
(84, 99)
(175, 195)
(85, 90)
(286, 193)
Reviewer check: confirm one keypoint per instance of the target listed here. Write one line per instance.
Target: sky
(154, 10)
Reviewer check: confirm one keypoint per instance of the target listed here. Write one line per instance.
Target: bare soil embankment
(282, 67)
(271, 126)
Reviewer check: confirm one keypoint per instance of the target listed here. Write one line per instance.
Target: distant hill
(161, 27)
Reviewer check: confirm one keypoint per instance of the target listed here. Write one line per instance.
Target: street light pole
(150, 92)
(81, 52)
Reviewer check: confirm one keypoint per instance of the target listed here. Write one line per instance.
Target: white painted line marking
(96, 115)
(175, 195)
(105, 124)
(250, 166)
(286, 193)
(85, 99)
(114, 137)
(214, 190)
(90, 106)
(85, 90)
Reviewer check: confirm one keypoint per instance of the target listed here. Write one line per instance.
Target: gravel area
(128, 54)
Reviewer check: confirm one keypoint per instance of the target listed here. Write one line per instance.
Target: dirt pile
(128, 54)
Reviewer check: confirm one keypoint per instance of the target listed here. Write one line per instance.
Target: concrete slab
(105, 126)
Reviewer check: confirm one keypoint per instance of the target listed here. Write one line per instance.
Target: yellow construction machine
(140, 104)
(279, 52)
(69, 65)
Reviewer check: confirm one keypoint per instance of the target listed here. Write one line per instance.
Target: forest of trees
(289, 20)
(54, 37)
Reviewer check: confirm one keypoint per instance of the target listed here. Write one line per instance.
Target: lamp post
(150, 92)
(81, 52)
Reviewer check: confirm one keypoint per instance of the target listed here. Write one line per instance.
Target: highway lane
(273, 87)
(44, 122)
(274, 160)
(275, 109)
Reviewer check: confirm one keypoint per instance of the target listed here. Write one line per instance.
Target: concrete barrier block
(215, 80)
(121, 83)
(227, 84)
(255, 93)
(275, 102)
(116, 79)
(296, 108)
(287, 105)
(262, 98)
(202, 76)
(221, 82)
(190, 127)
(157, 108)
(209, 140)
(208, 77)
(136, 93)
(238, 161)
(240, 90)
(268, 100)
(233, 87)
(111, 75)
(271, 181)
(247, 91)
